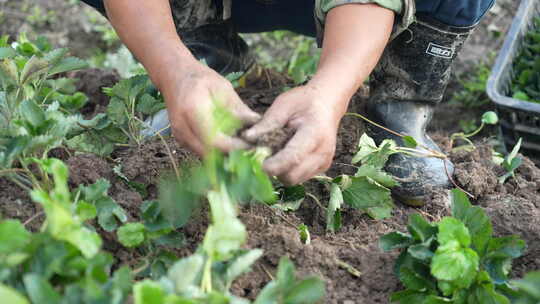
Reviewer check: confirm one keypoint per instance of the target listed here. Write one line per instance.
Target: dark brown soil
(514, 208)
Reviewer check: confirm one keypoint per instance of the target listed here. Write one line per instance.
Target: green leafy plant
(473, 91)
(526, 290)
(510, 163)
(455, 260)
(526, 84)
(63, 263)
(488, 118)
(36, 112)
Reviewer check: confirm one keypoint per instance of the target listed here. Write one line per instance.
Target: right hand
(190, 97)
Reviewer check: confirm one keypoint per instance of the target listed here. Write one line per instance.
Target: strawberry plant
(207, 275)
(63, 263)
(35, 117)
(526, 84)
(455, 260)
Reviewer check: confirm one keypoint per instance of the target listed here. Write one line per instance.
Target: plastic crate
(518, 118)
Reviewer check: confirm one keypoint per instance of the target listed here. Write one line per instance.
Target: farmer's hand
(311, 112)
(190, 96)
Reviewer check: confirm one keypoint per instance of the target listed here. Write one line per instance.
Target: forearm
(147, 28)
(354, 39)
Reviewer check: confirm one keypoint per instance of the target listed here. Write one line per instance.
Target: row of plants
(526, 68)
(64, 262)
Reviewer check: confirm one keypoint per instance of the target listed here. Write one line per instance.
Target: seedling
(489, 118)
(510, 163)
(455, 260)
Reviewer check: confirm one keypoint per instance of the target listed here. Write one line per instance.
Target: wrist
(336, 96)
(166, 71)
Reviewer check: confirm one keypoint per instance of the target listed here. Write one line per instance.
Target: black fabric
(252, 16)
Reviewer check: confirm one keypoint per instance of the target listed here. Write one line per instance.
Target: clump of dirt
(144, 164)
(274, 140)
(87, 169)
(91, 82)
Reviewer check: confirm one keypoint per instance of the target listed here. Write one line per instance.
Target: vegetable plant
(526, 84)
(63, 263)
(36, 115)
(454, 260)
(488, 118)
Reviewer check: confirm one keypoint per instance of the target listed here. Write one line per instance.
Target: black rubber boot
(220, 46)
(407, 84)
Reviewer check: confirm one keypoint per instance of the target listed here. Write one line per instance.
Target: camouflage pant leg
(190, 14)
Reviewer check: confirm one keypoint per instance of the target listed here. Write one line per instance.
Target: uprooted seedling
(455, 260)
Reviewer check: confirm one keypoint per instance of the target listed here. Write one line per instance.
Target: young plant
(489, 118)
(510, 163)
(207, 275)
(369, 189)
(62, 263)
(456, 260)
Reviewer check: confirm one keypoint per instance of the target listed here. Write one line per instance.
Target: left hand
(314, 113)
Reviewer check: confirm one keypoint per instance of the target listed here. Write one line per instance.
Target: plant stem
(374, 123)
(206, 283)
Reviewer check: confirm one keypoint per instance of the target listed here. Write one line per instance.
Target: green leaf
(131, 234)
(85, 211)
(6, 52)
(409, 297)
(377, 175)
(529, 285)
(409, 142)
(458, 266)
(394, 240)
(380, 213)
(270, 294)
(500, 252)
(309, 290)
(32, 113)
(39, 290)
(490, 118)
(186, 272)
(13, 236)
(10, 295)
(420, 252)
(414, 281)
(333, 223)
(421, 229)
(149, 105)
(451, 229)
(117, 111)
(148, 292)
(286, 272)
(366, 146)
(363, 192)
(242, 264)
(68, 64)
(33, 68)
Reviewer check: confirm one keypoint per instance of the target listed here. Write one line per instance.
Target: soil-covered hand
(313, 115)
(191, 96)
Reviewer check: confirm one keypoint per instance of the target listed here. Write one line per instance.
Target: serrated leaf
(131, 234)
(377, 175)
(32, 113)
(67, 64)
(381, 212)
(363, 192)
(242, 264)
(414, 281)
(85, 211)
(420, 252)
(394, 240)
(10, 71)
(33, 68)
(336, 201)
(421, 229)
(451, 229)
(186, 272)
(457, 266)
(366, 146)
